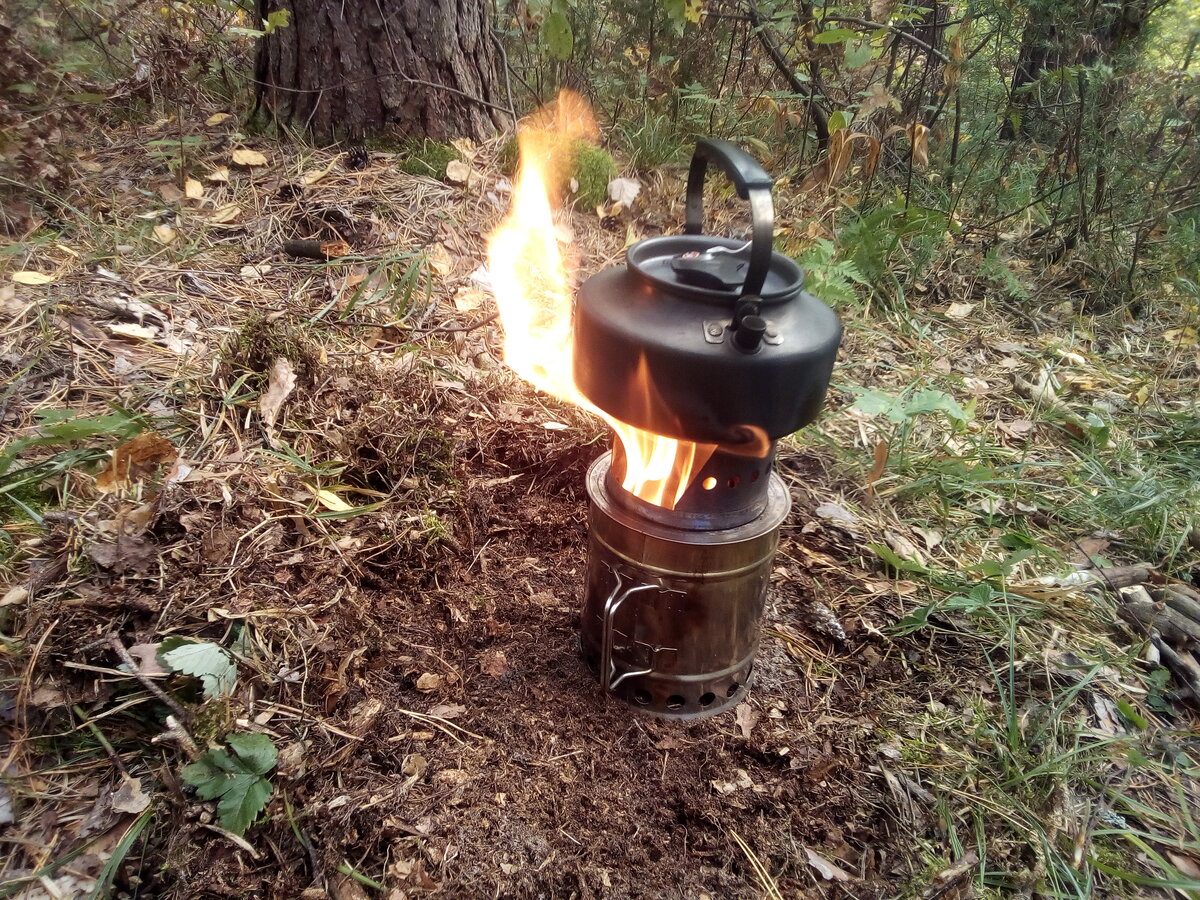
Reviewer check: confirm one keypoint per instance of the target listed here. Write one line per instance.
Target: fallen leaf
(165, 234)
(458, 172)
(129, 797)
(555, 426)
(243, 156)
(31, 278)
(279, 388)
(193, 189)
(838, 515)
(254, 273)
(217, 119)
(135, 460)
(429, 682)
(220, 174)
(904, 548)
(447, 711)
(466, 147)
(126, 554)
(624, 190)
(415, 765)
(439, 259)
(169, 192)
(331, 501)
(740, 782)
(467, 298)
(18, 593)
(746, 717)
(828, 870)
(494, 663)
(1185, 864)
(133, 330)
(959, 310)
(225, 214)
(312, 176)
(147, 659)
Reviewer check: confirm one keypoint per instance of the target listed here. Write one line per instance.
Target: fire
(532, 281)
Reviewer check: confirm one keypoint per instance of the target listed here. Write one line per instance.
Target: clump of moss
(590, 166)
(593, 170)
(510, 155)
(428, 158)
(262, 340)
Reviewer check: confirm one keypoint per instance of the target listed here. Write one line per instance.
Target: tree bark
(425, 68)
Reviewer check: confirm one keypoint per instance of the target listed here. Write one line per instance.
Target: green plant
(653, 142)
(209, 662)
(426, 157)
(829, 277)
(238, 779)
(593, 170)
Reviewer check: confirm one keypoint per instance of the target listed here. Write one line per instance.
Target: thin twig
(899, 32)
(147, 683)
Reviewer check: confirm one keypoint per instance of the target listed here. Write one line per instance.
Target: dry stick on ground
(1183, 667)
(1176, 628)
(147, 683)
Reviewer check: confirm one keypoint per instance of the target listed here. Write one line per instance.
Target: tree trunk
(425, 68)
(1051, 40)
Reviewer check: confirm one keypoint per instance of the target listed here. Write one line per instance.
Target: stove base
(672, 616)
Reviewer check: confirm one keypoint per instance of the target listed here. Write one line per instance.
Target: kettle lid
(696, 265)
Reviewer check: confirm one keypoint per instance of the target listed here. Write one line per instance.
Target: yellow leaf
(192, 189)
(243, 156)
(468, 298)
(217, 119)
(466, 147)
(133, 330)
(959, 310)
(31, 278)
(165, 234)
(1142, 394)
(439, 259)
(331, 501)
(918, 134)
(312, 176)
(227, 213)
(220, 174)
(693, 10)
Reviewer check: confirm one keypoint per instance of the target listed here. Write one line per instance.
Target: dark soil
(419, 670)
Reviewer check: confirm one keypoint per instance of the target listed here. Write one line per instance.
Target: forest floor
(387, 532)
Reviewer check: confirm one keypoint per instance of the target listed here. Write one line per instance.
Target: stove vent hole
(642, 696)
(733, 689)
(735, 481)
(706, 699)
(754, 476)
(675, 702)
(708, 483)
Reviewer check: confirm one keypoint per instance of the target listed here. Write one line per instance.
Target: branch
(899, 32)
(767, 39)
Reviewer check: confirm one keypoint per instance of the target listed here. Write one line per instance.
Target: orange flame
(532, 283)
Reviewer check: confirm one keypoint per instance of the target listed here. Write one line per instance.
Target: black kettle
(704, 338)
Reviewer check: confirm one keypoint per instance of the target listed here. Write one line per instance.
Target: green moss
(594, 169)
(510, 155)
(428, 158)
(262, 340)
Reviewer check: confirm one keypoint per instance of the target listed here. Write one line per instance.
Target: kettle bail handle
(752, 183)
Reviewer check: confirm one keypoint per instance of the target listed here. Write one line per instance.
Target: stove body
(698, 340)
